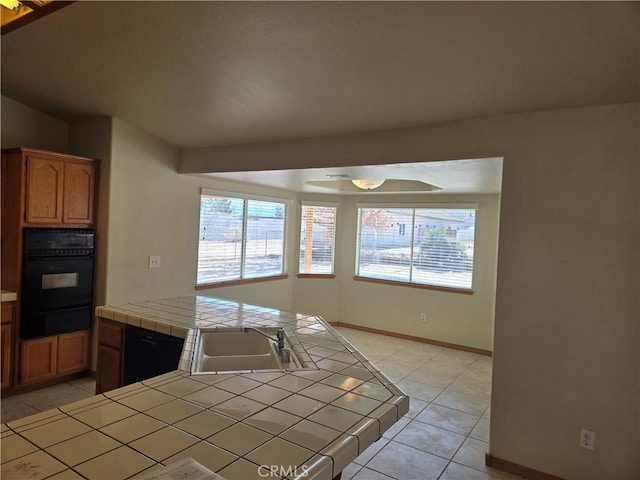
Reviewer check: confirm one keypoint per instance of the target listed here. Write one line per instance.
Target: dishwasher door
(148, 354)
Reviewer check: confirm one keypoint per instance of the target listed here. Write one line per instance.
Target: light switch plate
(154, 261)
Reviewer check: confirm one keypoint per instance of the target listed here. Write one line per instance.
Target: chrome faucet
(279, 340)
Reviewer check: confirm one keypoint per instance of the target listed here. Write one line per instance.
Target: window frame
(310, 203)
(242, 279)
(413, 206)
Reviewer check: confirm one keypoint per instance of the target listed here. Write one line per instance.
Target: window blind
(240, 238)
(317, 239)
(432, 246)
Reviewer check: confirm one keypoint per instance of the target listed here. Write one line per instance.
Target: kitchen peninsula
(303, 423)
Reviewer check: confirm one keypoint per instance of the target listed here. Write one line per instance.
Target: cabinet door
(5, 344)
(45, 180)
(109, 369)
(39, 357)
(110, 333)
(6, 314)
(73, 352)
(79, 185)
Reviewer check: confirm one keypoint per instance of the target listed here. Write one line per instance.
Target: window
(240, 238)
(434, 248)
(317, 239)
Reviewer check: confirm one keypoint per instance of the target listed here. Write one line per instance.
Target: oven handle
(40, 258)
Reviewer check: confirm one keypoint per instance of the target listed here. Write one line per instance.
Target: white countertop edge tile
(182, 316)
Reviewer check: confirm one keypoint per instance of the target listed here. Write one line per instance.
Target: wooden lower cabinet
(39, 359)
(49, 357)
(110, 355)
(109, 369)
(5, 344)
(73, 352)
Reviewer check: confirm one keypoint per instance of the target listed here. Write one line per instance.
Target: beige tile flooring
(29, 403)
(445, 434)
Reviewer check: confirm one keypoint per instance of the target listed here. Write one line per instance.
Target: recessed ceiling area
(374, 185)
(482, 175)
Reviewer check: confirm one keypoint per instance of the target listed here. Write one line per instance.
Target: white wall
(567, 336)
(567, 317)
(23, 126)
(451, 317)
(154, 211)
(146, 208)
(92, 138)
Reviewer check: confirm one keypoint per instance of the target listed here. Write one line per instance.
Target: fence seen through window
(240, 238)
(317, 239)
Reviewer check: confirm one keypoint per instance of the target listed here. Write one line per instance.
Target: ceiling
(202, 74)
(481, 175)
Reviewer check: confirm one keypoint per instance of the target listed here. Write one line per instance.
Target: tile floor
(445, 434)
(29, 403)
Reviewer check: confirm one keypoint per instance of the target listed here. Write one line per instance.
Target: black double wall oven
(57, 281)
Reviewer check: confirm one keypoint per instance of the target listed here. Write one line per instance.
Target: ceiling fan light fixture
(367, 184)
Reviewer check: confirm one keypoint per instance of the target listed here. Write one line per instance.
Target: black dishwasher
(148, 354)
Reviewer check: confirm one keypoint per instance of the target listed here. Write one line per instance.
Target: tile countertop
(9, 296)
(278, 424)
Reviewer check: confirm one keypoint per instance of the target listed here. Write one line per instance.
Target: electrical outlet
(423, 317)
(154, 261)
(587, 439)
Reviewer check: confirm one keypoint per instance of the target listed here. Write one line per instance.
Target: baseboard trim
(404, 336)
(516, 469)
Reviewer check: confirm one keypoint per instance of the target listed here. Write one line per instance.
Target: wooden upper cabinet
(45, 180)
(79, 186)
(53, 188)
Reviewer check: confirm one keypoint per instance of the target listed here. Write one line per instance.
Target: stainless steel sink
(232, 342)
(224, 350)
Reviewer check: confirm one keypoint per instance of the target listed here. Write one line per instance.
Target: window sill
(463, 291)
(244, 281)
(316, 275)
